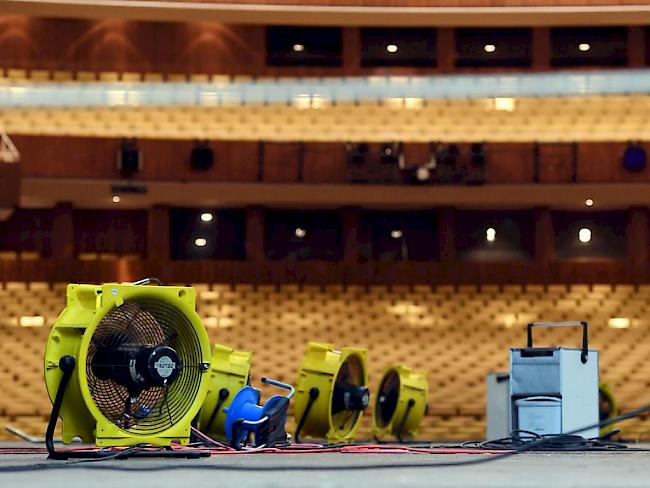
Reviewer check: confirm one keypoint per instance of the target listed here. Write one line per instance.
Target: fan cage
(147, 322)
(389, 389)
(351, 372)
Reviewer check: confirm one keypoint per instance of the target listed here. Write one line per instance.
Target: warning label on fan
(164, 366)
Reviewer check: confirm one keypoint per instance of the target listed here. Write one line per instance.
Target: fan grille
(147, 322)
(387, 398)
(351, 372)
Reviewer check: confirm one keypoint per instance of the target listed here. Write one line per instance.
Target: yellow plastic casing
(319, 369)
(607, 392)
(86, 305)
(413, 386)
(229, 369)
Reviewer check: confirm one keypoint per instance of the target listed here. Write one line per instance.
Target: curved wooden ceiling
(348, 12)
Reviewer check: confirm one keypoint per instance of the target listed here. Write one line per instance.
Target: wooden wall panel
(281, 161)
(172, 48)
(433, 3)
(512, 163)
(325, 163)
(237, 161)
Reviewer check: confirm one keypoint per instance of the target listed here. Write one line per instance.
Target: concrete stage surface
(558, 470)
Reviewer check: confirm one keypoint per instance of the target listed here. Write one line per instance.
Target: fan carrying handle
(585, 334)
(147, 281)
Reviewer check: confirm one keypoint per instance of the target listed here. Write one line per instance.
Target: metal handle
(281, 385)
(585, 334)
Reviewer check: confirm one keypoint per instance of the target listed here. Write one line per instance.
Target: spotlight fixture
(300, 232)
(298, 48)
(357, 153)
(129, 158)
(116, 199)
(489, 48)
(584, 47)
(396, 234)
(389, 153)
(207, 217)
(490, 234)
(202, 156)
(584, 235)
(589, 202)
(391, 48)
(200, 242)
(634, 157)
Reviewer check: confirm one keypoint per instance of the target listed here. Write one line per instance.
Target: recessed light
(298, 48)
(490, 234)
(589, 202)
(584, 47)
(619, 323)
(116, 199)
(200, 242)
(396, 233)
(584, 235)
(206, 217)
(505, 104)
(489, 48)
(391, 48)
(300, 232)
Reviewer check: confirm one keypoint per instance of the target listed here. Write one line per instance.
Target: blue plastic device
(268, 422)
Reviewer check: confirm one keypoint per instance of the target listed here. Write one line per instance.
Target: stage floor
(595, 469)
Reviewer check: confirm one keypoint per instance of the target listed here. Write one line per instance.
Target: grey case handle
(585, 334)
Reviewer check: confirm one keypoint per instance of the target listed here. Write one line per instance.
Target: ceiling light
(489, 48)
(298, 48)
(200, 242)
(619, 323)
(116, 199)
(391, 48)
(206, 217)
(490, 234)
(32, 321)
(589, 202)
(396, 233)
(584, 47)
(504, 104)
(584, 235)
(300, 232)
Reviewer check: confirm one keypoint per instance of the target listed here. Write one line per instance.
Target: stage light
(202, 156)
(619, 323)
(200, 242)
(396, 233)
(300, 232)
(489, 48)
(634, 157)
(589, 202)
(298, 48)
(584, 235)
(207, 217)
(116, 199)
(391, 48)
(129, 158)
(490, 234)
(584, 47)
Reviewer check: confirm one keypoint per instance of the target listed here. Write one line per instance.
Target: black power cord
(529, 446)
(313, 395)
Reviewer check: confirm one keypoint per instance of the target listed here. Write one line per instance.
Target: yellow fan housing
(229, 373)
(401, 402)
(100, 328)
(323, 367)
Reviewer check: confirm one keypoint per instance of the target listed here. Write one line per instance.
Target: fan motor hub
(350, 397)
(158, 365)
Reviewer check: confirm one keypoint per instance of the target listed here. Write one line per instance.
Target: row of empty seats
(457, 335)
(554, 119)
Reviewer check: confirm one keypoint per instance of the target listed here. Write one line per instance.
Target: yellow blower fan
(126, 364)
(229, 373)
(331, 394)
(401, 403)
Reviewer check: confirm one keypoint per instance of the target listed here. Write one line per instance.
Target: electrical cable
(337, 467)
